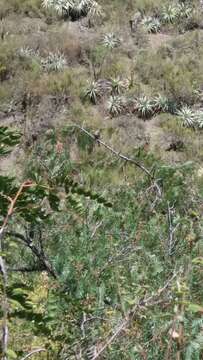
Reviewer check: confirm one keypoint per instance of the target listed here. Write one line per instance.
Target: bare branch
(171, 229)
(117, 153)
(32, 353)
(127, 159)
(39, 253)
(27, 269)
(97, 226)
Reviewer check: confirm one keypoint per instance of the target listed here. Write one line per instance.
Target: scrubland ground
(132, 75)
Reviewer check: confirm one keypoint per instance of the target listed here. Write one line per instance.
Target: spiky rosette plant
(27, 52)
(118, 85)
(175, 11)
(115, 105)
(144, 106)
(187, 116)
(93, 91)
(54, 62)
(95, 12)
(184, 10)
(161, 103)
(72, 8)
(199, 119)
(151, 24)
(111, 41)
(170, 13)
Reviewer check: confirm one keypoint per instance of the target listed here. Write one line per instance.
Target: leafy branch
(3, 267)
(96, 351)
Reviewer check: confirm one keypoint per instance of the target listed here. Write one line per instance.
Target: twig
(32, 353)
(126, 251)
(171, 229)
(27, 269)
(97, 226)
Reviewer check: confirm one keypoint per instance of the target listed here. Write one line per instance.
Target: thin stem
(32, 353)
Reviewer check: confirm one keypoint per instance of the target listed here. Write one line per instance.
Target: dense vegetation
(101, 179)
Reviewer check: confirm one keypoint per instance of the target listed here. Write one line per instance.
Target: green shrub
(31, 7)
(177, 77)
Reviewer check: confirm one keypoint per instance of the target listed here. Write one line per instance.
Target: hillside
(101, 179)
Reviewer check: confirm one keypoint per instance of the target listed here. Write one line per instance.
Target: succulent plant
(72, 8)
(27, 52)
(187, 116)
(95, 11)
(199, 119)
(93, 91)
(161, 103)
(174, 11)
(144, 107)
(111, 41)
(151, 24)
(115, 105)
(118, 85)
(184, 10)
(54, 62)
(170, 13)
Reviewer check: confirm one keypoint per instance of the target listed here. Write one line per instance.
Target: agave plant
(95, 11)
(184, 10)
(72, 8)
(27, 52)
(93, 91)
(161, 103)
(60, 6)
(199, 118)
(151, 24)
(187, 116)
(111, 41)
(115, 105)
(54, 62)
(118, 85)
(170, 13)
(144, 107)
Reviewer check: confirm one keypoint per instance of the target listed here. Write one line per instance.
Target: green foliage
(98, 255)
(8, 139)
(93, 236)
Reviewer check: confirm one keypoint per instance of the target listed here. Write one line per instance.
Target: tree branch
(27, 269)
(125, 158)
(117, 153)
(32, 353)
(38, 253)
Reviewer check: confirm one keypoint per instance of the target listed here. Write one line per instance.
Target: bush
(176, 77)
(31, 7)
